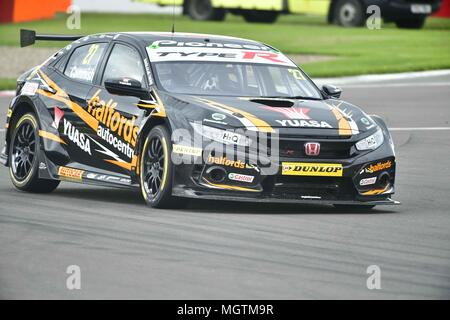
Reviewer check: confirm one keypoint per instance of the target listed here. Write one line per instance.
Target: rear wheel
(349, 13)
(23, 157)
(204, 10)
(416, 23)
(156, 170)
(260, 16)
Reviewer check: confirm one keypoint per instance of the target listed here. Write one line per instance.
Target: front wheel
(156, 170)
(23, 157)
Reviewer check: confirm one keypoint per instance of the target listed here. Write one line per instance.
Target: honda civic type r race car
(182, 115)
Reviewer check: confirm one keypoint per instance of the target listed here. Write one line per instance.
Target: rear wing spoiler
(29, 37)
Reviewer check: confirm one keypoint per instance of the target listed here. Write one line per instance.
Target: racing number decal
(92, 50)
(296, 74)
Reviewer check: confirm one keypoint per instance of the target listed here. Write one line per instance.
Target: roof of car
(150, 37)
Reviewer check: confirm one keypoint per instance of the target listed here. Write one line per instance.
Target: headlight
(222, 136)
(371, 142)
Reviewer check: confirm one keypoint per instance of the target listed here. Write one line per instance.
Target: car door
(118, 116)
(75, 79)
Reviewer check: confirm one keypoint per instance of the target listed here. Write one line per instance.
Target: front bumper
(365, 178)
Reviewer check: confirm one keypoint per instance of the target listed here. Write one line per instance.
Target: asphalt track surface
(221, 250)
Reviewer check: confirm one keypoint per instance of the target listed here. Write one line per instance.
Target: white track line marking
(421, 129)
(370, 78)
(397, 85)
(7, 93)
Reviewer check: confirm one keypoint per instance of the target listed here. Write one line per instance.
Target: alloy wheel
(23, 151)
(154, 166)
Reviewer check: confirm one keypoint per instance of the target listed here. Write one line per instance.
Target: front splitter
(189, 193)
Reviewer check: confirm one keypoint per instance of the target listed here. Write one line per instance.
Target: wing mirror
(126, 87)
(332, 91)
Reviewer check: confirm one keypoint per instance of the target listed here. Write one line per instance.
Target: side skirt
(75, 173)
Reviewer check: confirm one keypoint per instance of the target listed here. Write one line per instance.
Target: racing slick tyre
(204, 10)
(253, 16)
(353, 208)
(156, 170)
(416, 23)
(349, 13)
(23, 157)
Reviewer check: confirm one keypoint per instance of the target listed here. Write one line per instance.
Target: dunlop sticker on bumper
(70, 173)
(312, 169)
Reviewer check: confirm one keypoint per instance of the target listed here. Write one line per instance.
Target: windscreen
(234, 79)
(227, 69)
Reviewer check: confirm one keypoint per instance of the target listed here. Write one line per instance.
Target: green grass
(358, 50)
(7, 84)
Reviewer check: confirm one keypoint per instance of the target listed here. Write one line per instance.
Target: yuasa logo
(80, 139)
(312, 149)
(304, 124)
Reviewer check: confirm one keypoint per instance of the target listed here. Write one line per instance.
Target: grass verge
(357, 50)
(7, 84)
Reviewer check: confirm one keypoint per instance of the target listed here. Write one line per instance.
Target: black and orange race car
(182, 116)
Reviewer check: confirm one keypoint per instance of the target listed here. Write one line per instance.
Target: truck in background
(348, 13)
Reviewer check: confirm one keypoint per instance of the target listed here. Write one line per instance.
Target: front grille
(331, 188)
(328, 149)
